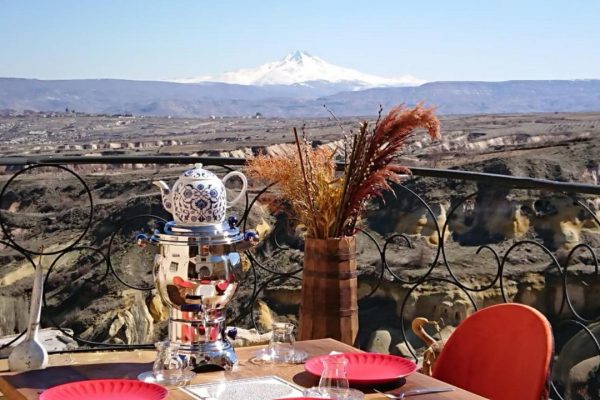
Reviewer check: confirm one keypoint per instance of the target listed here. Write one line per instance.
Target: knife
(416, 392)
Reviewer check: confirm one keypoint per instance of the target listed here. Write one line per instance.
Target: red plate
(106, 389)
(367, 368)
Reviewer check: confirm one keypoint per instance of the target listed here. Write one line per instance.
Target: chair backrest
(499, 352)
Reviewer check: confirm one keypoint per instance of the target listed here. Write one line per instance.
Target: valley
(84, 297)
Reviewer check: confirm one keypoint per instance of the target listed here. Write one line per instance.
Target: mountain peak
(300, 67)
(297, 56)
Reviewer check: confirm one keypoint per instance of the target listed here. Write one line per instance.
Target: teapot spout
(166, 195)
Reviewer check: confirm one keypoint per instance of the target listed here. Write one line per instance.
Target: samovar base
(219, 353)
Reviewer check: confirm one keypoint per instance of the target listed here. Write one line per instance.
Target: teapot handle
(244, 186)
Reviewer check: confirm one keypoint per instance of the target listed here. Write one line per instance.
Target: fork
(416, 392)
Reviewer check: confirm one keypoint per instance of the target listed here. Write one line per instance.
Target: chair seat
(500, 352)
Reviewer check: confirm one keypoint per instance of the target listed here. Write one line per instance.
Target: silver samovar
(198, 267)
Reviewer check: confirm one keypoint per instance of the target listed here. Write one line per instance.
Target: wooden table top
(65, 368)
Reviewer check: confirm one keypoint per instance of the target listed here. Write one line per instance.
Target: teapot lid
(198, 172)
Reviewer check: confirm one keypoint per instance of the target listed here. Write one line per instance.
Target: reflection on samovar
(197, 267)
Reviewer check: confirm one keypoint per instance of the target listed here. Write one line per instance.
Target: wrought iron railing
(396, 263)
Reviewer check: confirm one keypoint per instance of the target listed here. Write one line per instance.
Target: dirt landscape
(50, 208)
(84, 134)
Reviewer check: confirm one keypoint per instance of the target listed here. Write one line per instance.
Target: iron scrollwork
(260, 276)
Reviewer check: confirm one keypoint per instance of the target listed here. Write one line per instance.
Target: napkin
(267, 387)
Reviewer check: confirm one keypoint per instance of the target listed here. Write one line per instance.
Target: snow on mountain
(300, 67)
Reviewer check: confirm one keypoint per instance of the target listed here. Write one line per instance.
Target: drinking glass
(167, 367)
(334, 375)
(281, 345)
(281, 348)
(334, 381)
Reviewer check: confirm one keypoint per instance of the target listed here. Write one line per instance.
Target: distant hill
(298, 100)
(480, 97)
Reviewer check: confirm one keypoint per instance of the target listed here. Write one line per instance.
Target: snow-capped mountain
(302, 68)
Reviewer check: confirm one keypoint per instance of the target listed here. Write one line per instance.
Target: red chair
(502, 352)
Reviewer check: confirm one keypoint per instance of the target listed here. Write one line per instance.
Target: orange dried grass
(286, 171)
(331, 207)
(371, 165)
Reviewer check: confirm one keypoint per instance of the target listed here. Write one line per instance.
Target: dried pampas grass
(330, 205)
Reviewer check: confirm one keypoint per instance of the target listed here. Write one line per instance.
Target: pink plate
(367, 368)
(106, 389)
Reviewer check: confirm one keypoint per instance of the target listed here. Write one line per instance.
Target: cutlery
(416, 392)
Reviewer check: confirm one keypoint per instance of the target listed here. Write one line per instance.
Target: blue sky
(433, 40)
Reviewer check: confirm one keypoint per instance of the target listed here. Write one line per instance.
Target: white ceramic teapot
(198, 197)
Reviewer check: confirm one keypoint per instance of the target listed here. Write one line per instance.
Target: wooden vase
(329, 290)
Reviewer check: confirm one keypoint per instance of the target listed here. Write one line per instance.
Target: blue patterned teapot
(198, 197)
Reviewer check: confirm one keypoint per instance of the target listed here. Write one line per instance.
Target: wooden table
(128, 364)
